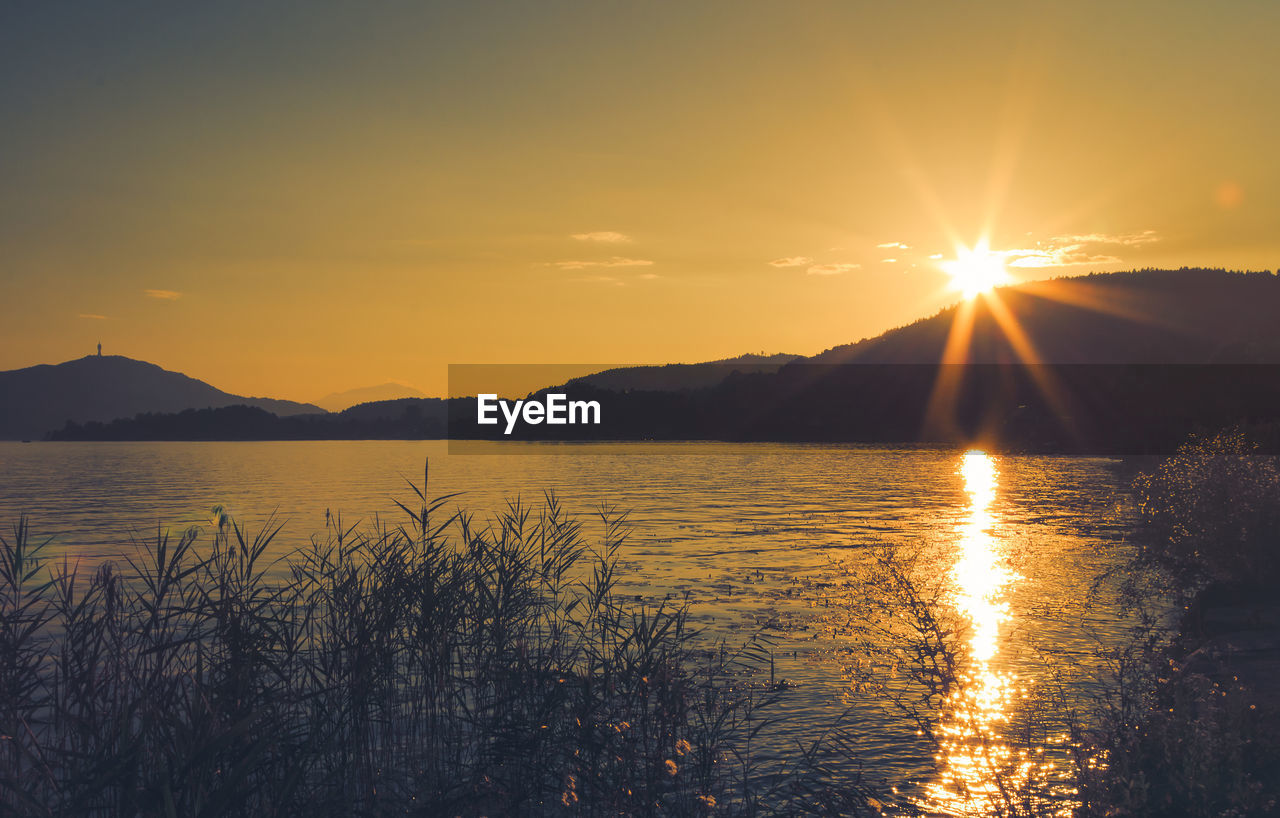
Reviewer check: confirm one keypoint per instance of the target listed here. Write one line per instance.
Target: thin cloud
(1068, 256)
(1081, 248)
(791, 261)
(616, 261)
(1125, 239)
(888, 261)
(649, 276)
(605, 236)
(831, 269)
(163, 295)
(92, 315)
(897, 245)
(936, 256)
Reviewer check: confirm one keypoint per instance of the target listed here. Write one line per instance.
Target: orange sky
(304, 200)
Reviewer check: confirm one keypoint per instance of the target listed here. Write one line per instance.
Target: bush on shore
(1163, 739)
(1211, 513)
(1175, 732)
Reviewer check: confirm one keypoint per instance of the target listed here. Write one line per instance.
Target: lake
(758, 538)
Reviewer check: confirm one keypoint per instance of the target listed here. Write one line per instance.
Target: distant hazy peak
(338, 401)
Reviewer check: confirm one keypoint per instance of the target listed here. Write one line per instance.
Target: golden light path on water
(980, 769)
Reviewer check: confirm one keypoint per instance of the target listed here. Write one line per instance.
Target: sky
(293, 199)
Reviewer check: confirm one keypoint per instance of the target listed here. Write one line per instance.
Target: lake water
(752, 535)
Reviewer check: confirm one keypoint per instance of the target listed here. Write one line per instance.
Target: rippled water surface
(750, 534)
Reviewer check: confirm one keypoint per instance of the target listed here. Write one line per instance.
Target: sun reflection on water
(979, 767)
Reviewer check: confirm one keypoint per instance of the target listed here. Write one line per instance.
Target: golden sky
(314, 197)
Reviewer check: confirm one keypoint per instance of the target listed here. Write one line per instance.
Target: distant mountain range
(337, 401)
(880, 389)
(1118, 363)
(38, 399)
(134, 407)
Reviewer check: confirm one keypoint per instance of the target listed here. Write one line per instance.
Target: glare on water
(980, 768)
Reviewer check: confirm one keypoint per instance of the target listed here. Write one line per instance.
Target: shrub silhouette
(1211, 513)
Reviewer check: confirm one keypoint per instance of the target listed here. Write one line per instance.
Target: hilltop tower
(99, 349)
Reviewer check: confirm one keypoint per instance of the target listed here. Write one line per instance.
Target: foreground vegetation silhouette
(442, 666)
(438, 667)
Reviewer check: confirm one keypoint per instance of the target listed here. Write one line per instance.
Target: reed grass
(440, 665)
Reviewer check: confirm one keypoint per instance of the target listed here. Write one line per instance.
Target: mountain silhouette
(1123, 362)
(676, 377)
(1106, 363)
(39, 399)
(1186, 316)
(667, 377)
(338, 401)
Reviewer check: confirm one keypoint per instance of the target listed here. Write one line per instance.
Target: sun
(976, 270)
